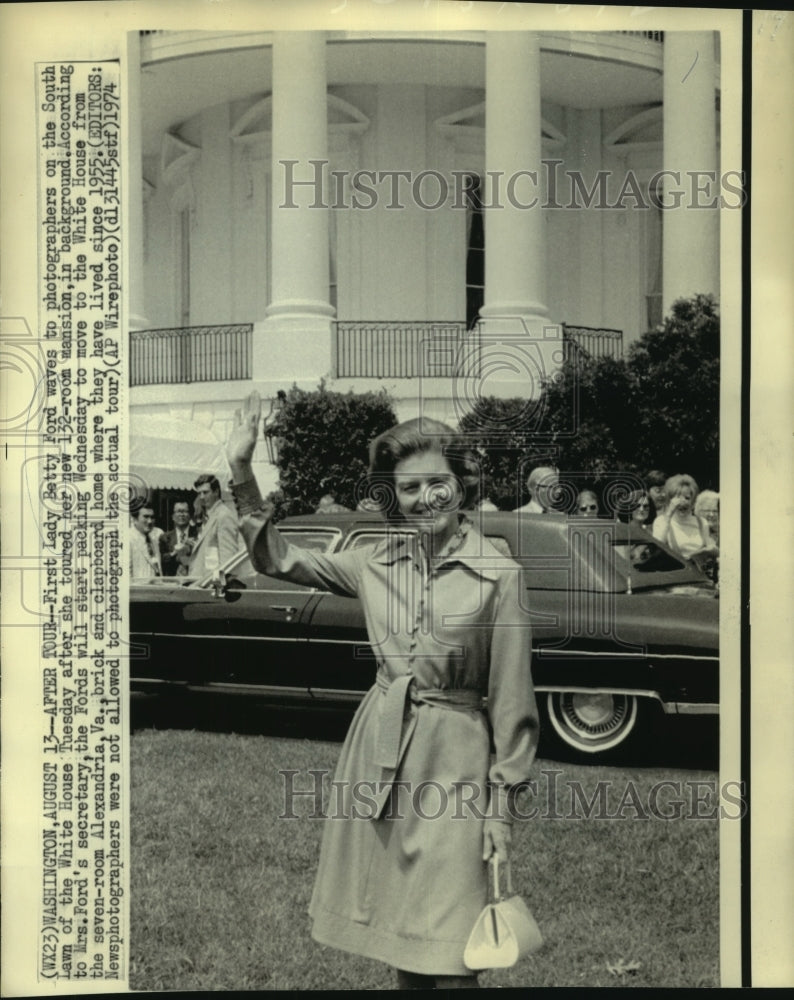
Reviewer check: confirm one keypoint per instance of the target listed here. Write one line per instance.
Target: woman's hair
(655, 478)
(703, 497)
(413, 437)
(629, 505)
(675, 483)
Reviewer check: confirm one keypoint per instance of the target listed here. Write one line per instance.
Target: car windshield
(645, 557)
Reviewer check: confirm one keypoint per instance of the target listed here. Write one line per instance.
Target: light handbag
(504, 931)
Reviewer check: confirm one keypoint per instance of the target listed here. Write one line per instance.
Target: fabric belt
(392, 741)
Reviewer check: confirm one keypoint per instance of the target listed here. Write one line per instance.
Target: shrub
(323, 439)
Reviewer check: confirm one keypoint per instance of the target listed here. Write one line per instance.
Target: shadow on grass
(673, 741)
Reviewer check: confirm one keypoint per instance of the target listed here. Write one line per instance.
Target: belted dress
(401, 876)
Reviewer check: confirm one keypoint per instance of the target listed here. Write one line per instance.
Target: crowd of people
(201, 540)
(670, 509)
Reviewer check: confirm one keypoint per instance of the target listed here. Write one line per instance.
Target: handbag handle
(497, 895)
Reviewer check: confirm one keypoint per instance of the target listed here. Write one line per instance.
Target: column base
(308, 308)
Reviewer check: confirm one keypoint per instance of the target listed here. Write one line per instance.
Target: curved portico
(355, 292)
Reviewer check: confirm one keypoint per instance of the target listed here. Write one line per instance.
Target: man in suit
(144, 553)
(219, 538)
(178, 541)
(542, 484)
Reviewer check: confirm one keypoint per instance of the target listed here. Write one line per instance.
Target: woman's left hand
(497, 837)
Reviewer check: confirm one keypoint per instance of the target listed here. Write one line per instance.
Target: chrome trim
(633, 656)
(216, 635)
(668, 707)
(263, 689)
(341, 694)
(336, 694)
(567, 689)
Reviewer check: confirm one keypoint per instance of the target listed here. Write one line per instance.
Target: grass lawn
(221, 886)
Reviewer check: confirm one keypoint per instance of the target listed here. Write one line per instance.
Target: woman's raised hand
(245, 430)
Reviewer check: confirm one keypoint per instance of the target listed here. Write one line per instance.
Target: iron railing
(191, 354)
(394, 349)
(594, 342)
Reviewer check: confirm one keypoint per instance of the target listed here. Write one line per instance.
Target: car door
(178, 631)
(266, 623)
(242, 636)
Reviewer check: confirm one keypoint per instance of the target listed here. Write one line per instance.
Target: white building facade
(380, 209)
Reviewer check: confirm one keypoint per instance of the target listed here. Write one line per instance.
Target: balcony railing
(382, 349)
(594, 342)
(191, 354)
(376, 349)
(439, 349)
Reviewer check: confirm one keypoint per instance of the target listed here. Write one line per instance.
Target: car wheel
(592, 722)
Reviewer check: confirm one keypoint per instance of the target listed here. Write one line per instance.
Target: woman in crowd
(400, 880)
(587, 504)
(638, 510)
(655, 482)
(707, 507)
(677, 526)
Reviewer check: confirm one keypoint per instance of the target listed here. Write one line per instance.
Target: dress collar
(473, 551)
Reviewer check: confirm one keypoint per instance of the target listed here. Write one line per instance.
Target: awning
(169, 453)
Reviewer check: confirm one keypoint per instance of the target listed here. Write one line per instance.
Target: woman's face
(685, 500)
(428, 493)
(642, 511)
(710, 511)
(658, 496)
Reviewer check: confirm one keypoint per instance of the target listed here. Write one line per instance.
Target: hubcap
(594, 713)
(592, 721)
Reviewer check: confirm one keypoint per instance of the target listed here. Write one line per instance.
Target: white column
(131, 117)
(514, 272)
(520, 342)
(690, 239)
(211, 257)
(294, 342)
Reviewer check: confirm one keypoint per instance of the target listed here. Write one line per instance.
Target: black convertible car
(621, 627)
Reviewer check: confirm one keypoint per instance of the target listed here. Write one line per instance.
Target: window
(653, 265)
(475, 250)
(371, 537)
(333, 296)
(313, 539)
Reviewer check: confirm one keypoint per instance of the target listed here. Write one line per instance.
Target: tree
(501, 433)
(675, 373)
(599, 417)
(323, 441)
(588, 417)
